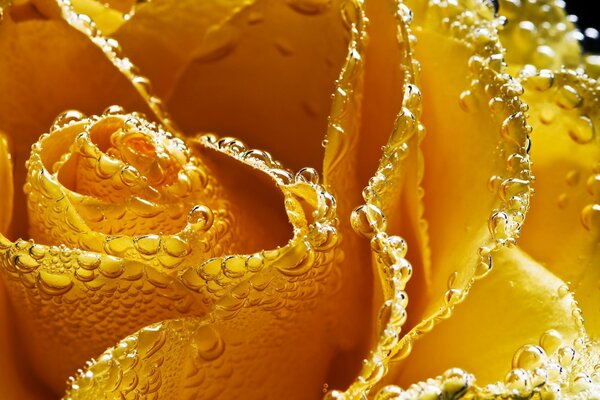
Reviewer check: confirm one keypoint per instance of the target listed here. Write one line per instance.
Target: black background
(588, 17)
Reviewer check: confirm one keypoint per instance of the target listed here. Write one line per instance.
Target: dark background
(588, 17)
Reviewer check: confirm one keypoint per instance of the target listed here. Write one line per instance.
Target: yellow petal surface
(563, 230)
(539, 33)
(16, 381)
(32, 96)
(517, 302)
(6, 183)
(261, 70)
(267, 336)
(120, 210)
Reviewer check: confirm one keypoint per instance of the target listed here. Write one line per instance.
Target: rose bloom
(349, 199)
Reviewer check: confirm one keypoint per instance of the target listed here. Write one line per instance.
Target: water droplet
(499, 226)
(367, 220)
(566, 355)
(114, 110)
(454, 381)
(593, 185)
(309, 7)
(208, 343)
(542, 81)
(66, 118)
(467, 101)
(175, 246)
(54, 284)
(551, 340)
(590, 216)
(529, 357)
(562, 291)
(518, 381)
(148, 244)
(484, 267)
(150, 340)
(514, 128)
(582, 130)
(568, 98)
(201, 217)
(308, 175)
(547, 114)
(562, 200)
(572, 177)
(544, 56)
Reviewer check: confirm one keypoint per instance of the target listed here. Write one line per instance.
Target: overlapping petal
(280, 296)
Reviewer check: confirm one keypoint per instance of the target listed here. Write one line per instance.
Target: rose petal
(233, 349)
(6, 183)
(540, 34)
(515, 304)
(81, 287)
(563, 229)
(33, 96)
(262, 70)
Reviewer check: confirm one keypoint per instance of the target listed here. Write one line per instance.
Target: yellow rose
(170, 247)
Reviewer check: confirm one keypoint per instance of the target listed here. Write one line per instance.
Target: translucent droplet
(209, 343)
(308, 175)
(529, 357)
(550, 341)
(566, 355)
(467, 101)
(201, 217)
(542, 81)
(593, 185)
(590, 216)
(562, 200)
(568, 98)
(454, 381)
(572, 177)
(66, 118)
(582, 130)
(562, 291)
(518, 381)
(367, 220)
(54, 284)
(309, 7)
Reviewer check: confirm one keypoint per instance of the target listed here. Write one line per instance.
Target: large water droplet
(367, 220)
(582, 130)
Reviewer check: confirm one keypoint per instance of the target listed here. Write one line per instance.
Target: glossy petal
(563, 230)
(33, 96)
(121, 210)
(261, 70)
(279, 311)
(517, 302)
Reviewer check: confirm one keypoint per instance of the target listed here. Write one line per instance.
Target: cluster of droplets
(549, 370)
(573, 96)
(370, 222)
(276, 281)
(540, 34)
(109, 206)
(513, 190)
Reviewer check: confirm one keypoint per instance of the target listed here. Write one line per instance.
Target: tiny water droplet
(367, 220)
(309, 7)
